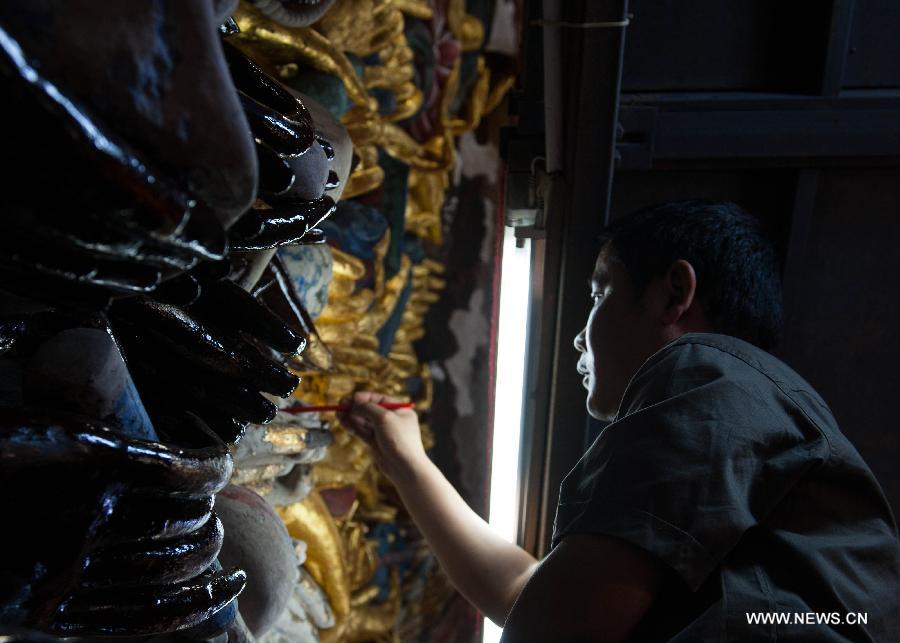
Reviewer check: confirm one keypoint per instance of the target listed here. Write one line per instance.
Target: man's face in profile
(617, 338)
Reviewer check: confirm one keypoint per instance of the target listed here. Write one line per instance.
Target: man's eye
(596, 296)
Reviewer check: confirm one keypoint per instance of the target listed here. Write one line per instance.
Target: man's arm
(590, 588)
(486, 569)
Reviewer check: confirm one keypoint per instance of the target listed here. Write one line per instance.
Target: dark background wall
(842, 286)
(791, 110)
(843, 312)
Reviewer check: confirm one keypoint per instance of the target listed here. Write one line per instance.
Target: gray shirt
(727, 467)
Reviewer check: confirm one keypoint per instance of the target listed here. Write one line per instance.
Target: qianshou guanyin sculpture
(165, 285)
(393, 72)
(129, 223)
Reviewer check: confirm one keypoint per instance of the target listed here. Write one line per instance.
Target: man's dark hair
(737, 274)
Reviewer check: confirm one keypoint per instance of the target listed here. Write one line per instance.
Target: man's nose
(579, 342)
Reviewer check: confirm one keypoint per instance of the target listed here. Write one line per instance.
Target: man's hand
(484, 567)
(393, 435)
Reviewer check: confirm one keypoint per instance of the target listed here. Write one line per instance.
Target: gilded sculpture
(228, 314)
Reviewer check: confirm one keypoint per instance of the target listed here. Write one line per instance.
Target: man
(722, 493)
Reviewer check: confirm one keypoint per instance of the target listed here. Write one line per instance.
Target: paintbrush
(344, 407)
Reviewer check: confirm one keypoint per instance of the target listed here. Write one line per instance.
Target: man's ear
(681, 284)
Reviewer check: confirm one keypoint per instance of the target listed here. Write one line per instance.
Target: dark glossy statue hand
(294, 163)
(113, 222)
(105, 534)
(204, 362)
(202, 343)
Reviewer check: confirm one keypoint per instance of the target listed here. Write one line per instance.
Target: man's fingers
(360, 427)
(356, 423)
(374, 398)
(371, 412)
(361, 397)
(363, 413)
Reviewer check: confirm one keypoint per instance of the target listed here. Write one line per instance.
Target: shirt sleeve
(704, 446)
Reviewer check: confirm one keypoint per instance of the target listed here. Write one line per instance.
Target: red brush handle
(344, 407)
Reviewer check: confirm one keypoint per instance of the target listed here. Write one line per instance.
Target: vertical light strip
(515, 282)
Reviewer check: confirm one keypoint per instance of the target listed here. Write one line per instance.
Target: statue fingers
(154, 516)
(167, 335)
(228, 304)
(150, 609)
(255, 83)
(29, 439)
(153, 561)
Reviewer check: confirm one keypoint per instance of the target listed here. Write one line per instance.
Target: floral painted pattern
(310, 268)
